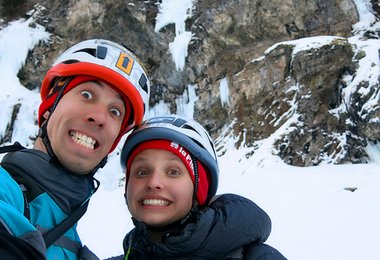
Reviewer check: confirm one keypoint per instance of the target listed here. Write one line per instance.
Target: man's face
(85, 124)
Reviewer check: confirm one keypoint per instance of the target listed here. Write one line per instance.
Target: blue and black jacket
(36, 194)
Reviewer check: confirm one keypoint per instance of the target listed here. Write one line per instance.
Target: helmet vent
(142, 82)
(70, 61)
(179, 122)
(92, 52)
(189, 127)
(101, 52)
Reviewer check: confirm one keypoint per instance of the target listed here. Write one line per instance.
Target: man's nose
(97, 115)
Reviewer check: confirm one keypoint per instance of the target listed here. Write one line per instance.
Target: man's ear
(42, 131)
(46, 115)
(126, 200)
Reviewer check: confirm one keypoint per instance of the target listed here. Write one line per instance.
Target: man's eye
(86, 94)
(116, 112)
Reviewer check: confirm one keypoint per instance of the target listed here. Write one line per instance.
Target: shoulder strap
(55, 233)
(11, 148)
(14, 148)
(59, 230)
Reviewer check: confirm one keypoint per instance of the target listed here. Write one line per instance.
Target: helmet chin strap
(194, 207)
(42, 132)
(196, 177)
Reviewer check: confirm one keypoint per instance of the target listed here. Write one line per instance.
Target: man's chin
(78, 167)
(80, 170)
(81, 161)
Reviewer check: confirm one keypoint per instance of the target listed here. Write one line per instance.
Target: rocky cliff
(253, 48)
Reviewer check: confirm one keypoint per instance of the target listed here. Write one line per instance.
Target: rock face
(251, 45)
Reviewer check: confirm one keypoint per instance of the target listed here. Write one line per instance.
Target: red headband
(184, 155)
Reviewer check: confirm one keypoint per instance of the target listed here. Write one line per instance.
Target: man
(94, 93)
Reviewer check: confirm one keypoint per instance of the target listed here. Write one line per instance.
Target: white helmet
(186, 132)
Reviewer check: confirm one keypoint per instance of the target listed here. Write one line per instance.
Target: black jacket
(231, 227)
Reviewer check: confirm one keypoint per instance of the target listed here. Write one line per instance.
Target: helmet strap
(45, 139)
(60, 93)
(100, 165)
(42, 132)
(196, 177)
(191, 215)
(194, 207)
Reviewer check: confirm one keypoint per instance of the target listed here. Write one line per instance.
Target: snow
(224, 92)
(178, 49)
(15, 42)
(373, 151)
(314, 213)
(184, 104)
(305, 43)
(176, 12)
(366, 16)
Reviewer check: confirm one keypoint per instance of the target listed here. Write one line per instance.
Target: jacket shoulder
(259, 251)
(10, 191)
(243, 214)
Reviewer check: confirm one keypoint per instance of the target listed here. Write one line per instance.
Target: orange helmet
(109, 62)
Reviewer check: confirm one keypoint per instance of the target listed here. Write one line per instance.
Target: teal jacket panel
(44, 215)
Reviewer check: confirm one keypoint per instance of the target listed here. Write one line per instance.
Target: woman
(171, 181)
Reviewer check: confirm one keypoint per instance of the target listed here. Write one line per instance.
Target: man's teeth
(83, 140)
(155, 202)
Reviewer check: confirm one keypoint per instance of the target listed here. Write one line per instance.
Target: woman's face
(159, 189)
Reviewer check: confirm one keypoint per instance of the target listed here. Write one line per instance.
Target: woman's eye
(86, 94)
(174, 172)
(116, 112)
(141, 173)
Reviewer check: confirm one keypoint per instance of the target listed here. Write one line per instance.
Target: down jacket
(231, 227)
